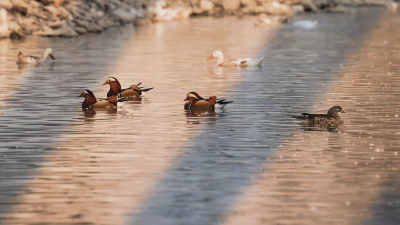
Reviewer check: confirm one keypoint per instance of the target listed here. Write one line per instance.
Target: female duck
(332, 118)
(91, 102)
(236, 62)
(27, 59)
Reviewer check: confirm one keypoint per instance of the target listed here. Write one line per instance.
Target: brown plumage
(332, 118)
(218, 102)
(115, 87)
(91, 102)
(134, 91)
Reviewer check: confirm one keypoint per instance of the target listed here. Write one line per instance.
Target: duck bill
(51, 56)
(211, 57)
(186, 99)
(80, 95)
(105, 83)
(342, 111)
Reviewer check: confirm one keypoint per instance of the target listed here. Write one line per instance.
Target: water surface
(148, 163)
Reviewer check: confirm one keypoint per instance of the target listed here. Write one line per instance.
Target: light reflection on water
(149, 163)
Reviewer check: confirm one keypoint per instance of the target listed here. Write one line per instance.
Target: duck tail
(223, 102)
(260, 60)
(146, 89)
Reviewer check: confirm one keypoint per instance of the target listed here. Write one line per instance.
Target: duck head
(89, 99)
(219, 56)
(87, 94)
(115, 86)
(335, 111)
(134, 87)
(48, 52)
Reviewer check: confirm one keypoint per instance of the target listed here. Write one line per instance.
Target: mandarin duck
(91, 102)
(332, 118)
(220, 103)
(134, 90)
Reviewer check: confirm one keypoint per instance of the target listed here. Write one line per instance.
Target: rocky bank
(69, 18)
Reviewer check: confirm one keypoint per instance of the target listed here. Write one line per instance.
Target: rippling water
(148, 163)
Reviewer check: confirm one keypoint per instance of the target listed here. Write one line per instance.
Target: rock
(6, 4)
(298, 8)
(94, 28)
(29, 24)
(142, 21)
(63, 30)
(260, 9)
(206, 5)
(80, 30)
(20, 6)
(15, 30)
(230, 5)
(55, 24)
(82, 23)
(308, 5)
(337, 9)
(276, 8)
(3, 24)
(35, 4)
(63, 12)
(248, 3)
(123, 16)
(53, 10)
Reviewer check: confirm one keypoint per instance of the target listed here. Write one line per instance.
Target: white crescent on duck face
(236, 62)
(115, 87)
(27, 59)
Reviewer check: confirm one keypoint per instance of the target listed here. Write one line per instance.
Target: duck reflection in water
(45, 66)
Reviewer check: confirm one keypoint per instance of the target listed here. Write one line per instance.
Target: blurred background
(150, 162)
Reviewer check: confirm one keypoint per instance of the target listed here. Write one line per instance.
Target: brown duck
(332, 118)
(220, 103)
(134, 91)
(91, 102)
(205, 105)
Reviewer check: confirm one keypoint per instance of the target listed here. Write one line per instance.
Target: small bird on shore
(91, 102)
(27, 59)
(235, 62)
(332, 118)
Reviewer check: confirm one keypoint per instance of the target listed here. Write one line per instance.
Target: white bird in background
(236, 62)
(305, 24)
(27, 59)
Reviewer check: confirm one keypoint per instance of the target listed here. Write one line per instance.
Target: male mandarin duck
(236, 62)
(194, 102)
(137, 91)
(91, 102)
(332, 118)
(220, 103)
(134, 91)
(27, 59)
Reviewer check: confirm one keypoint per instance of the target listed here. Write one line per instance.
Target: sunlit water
(148, 163)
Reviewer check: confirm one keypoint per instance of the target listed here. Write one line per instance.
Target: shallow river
(150, 163)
